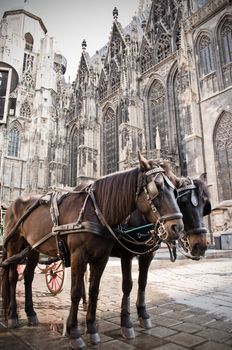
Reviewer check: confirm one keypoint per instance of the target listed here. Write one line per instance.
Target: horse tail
(5, 286)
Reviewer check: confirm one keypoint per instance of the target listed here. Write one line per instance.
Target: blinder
(152, 190)
(151, 186)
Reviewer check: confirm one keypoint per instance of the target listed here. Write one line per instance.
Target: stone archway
(223, 155)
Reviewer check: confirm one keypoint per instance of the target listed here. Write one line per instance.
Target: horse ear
(144, 165)
(203, 177)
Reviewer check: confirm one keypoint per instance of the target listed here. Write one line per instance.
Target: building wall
(38, 122)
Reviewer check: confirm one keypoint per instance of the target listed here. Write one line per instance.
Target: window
(12, 106)
(13, 145)
(223, 155)
(29, 41)
(205, 53)
(28, 62)
(158, 113)
(226, 41)
(5, 82)
(110, 142)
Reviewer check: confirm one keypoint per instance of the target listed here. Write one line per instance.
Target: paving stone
(222, 325)
(210, 345)
(114, 345)
(214, 334)
(170, 346)
(185, 339)
(187, 327)
(146, 342)
(160, 332)
(165, 321)
(200, 319)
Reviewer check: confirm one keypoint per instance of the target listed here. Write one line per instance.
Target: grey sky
(71, 21)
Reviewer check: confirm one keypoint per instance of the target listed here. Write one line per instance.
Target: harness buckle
(162, 233)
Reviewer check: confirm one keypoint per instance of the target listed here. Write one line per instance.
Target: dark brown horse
(81, 223)
(193, 200)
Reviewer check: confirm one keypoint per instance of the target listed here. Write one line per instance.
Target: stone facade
(162, 85)
(32, 133)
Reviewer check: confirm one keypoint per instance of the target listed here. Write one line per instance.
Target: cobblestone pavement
(189, 302)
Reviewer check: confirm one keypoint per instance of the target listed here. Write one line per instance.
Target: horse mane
(166, 165)
(116, 193)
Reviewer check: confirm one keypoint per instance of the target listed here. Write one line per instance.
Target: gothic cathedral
(161, 85)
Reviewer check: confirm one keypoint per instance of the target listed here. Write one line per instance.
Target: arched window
(223, 155)
(183, 117)
(205, 55)
(226, 41)
(13, 142)
(110, 142)
(29, 41)
(74, 144)
(157, 113)
(114, 76)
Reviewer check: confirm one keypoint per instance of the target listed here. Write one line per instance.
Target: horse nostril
(176, 230)
(198, 249)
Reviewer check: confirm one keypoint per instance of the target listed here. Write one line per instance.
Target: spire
(84, 45)
(115, 13)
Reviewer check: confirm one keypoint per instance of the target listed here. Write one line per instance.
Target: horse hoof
(33, 320)
(13, 323)
(93, 338)
(77, 343)
(128, 333)
(145, 323)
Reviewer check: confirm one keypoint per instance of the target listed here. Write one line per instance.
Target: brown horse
(193, 200)
(81, 223)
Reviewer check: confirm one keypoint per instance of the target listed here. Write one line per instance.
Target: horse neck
(115, 195)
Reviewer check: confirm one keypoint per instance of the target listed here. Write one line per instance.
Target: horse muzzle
(170, 227)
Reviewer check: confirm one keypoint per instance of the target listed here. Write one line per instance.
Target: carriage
(52, 268)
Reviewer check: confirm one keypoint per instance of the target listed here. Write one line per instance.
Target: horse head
(156, 200)
(194, 203)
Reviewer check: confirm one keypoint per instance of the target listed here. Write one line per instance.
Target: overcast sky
(71, 21)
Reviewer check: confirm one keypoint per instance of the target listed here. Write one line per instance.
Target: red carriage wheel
(54, 276)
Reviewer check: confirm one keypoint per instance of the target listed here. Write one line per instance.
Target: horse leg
(13, 320)
(29, 271)
(84, 297)
(144, 317)
(96, 270)
(127, 284)
(78, 267)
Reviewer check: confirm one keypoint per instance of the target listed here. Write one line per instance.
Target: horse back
(16, 210)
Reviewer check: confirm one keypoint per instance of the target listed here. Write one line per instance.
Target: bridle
(183, 242)
(151, 191)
